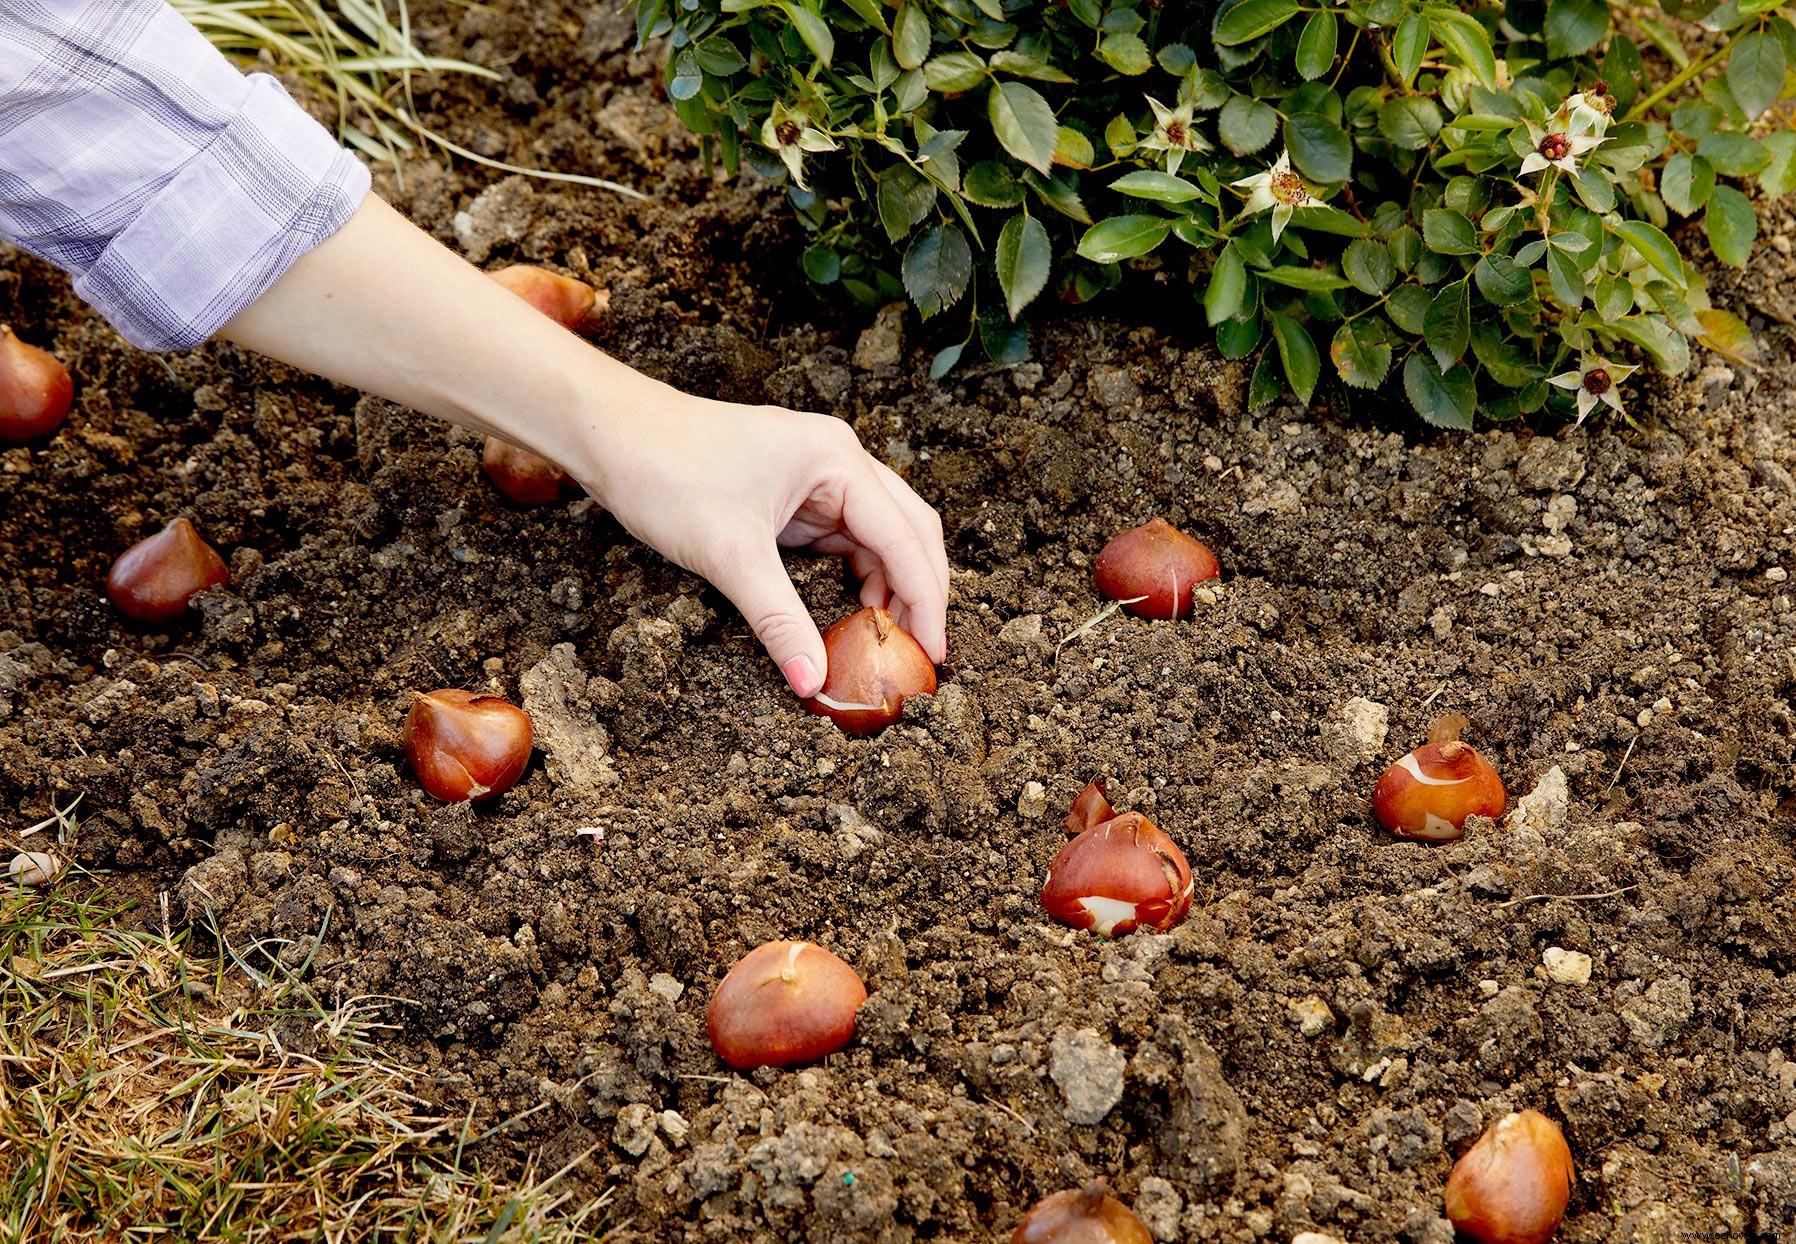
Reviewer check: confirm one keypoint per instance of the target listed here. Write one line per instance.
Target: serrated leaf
(1666, 345)
(1654, 247)
(1502, 281)
(1023, 258)
(1246, 125)
(990, 184)
(1410, 121)
(1252, 18)
(1465, 37)
(1733, 155)
(944, 361)
(1313, 279)
(1779, 176)
(1446, 400)
(1565, 279)
(1731, 225)
(1267, 383)
(1755, 72)
(910, 37)
(1449, 233)
(1447, 328)
(1361, 355)
(1028, 67)
(1072, 149)
(1024, 124)
(1320, 148)
(1686, 182)
(1367, 263)
(1573, 27)
(1297, 351)
(1409, 45)
(717, 55)
(1123, 237)
(953, 71)
(1125, 53)
(1227, 290)
(1155, 185)
(936, 269)
(1727, 333)
(870, 12)
(1316, 45)
(813, 30)
(903, 200)
(1408, 308)
(822, 264)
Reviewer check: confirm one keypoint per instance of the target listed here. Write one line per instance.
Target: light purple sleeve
(171, 187)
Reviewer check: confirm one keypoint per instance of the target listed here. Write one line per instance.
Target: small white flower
(1595, 380)
(1574, 130)
(1173, 133)
(790, 134)
(1277, 188)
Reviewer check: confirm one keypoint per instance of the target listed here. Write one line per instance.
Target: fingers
(755, 580)
(922, 516)
(876, 521)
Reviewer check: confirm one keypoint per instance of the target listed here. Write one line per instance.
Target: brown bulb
(154, 579)
(467, 746)
(524, 477)
(1087, 1215)
(1513, 1185)
(562, 298)
(1152, 569)
(784, 1004)
(1430, 792)
(874, 666)
(1117, 875)
(35, 390)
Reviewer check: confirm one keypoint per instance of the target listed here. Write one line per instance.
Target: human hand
(720, 488)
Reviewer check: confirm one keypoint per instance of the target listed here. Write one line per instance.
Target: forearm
(381, 306)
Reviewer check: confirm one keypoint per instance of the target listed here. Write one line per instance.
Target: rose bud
(1430, 792)
(1512, 1186)
(874, 664)
(154, 579)
(467, 746)
(1087, 1215)
(1117, 875)
(783, 1004)
(1152, 570)
(562, 298)
(524, 477)
(35, 389)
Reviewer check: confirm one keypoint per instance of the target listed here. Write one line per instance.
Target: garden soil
(1609, 606)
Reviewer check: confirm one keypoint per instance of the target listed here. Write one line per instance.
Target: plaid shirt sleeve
(173, 188)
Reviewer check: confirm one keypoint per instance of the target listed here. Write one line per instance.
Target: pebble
(1090, 1073)
(1358, 734)
(1546, 807)
(33, 868)
(1568, 967)
(1311, 1015)
(635, 1129)
(664, 986)
(1777, 574)
(1315, 1237)
(1032, 804)
(675, 1127)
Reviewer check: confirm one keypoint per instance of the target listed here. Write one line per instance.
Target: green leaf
(1408, 307)
(1228, 287)
(1733, 155)
(870, 12)
(1666, 345)
(1446, 401)
(1024, 124)
(1502, 281)
(1266, 385)
(1060, 192)
(1411, 43)
(1654, 247)
(1245, 125)
(903, 199)
(822, 264)
(718, 56)
(1566, 279)
(1072, 149)
(1315, 279)
(1125, 53)
(1006, 343)
(1023, 258)
(1686, 182)
(1447, 328)
(813, 30)
(1155, 185)
(1320, 149)
(1596, 190)
(910, 37)
(1449, 233)
(1573, 27)
(1755, 72)
(1316, 45)
(1502, 357)
(1465, 37)
(1296, 350)
(937, 267)
(990, 184)
(1731, 226)
(1252, 18)
(1410, 121)
(1123, 237)
(1361, 354)
(1028, 67)
(1367, 263)
(1726, 332)
(952, 71)
(1327, 218)
(687, 79)
(944, 361)
(1779, 177)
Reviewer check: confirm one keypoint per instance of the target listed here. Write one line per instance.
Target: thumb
(756, 582)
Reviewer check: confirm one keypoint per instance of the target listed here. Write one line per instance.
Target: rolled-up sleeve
(173, 188)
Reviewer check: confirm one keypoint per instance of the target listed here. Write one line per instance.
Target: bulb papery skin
(1117, 876)
(1512, 1186)
(1152, 569)
(784, 1004)
(466, 746)
(1429, 793)
(1087, 1215)
(874, 666)
(153, 580)
(524, 477)
(564, 299)
(35, 390)
(1092, 807)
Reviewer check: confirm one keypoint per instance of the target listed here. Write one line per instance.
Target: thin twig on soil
(1084, 628)
(1529, 898)
(1622, 765)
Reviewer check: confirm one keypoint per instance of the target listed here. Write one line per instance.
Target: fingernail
(802, 676)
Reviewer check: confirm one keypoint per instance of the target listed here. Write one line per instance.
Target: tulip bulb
(35, 390)
(1087, 1215)
(782, 1005)
(1430, 792)
(1152, 569)
(154, 579)
(1121, 872)
(1513, 1185)
(874, 666)
(467, 746)
(562, 298)
(524, 477)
